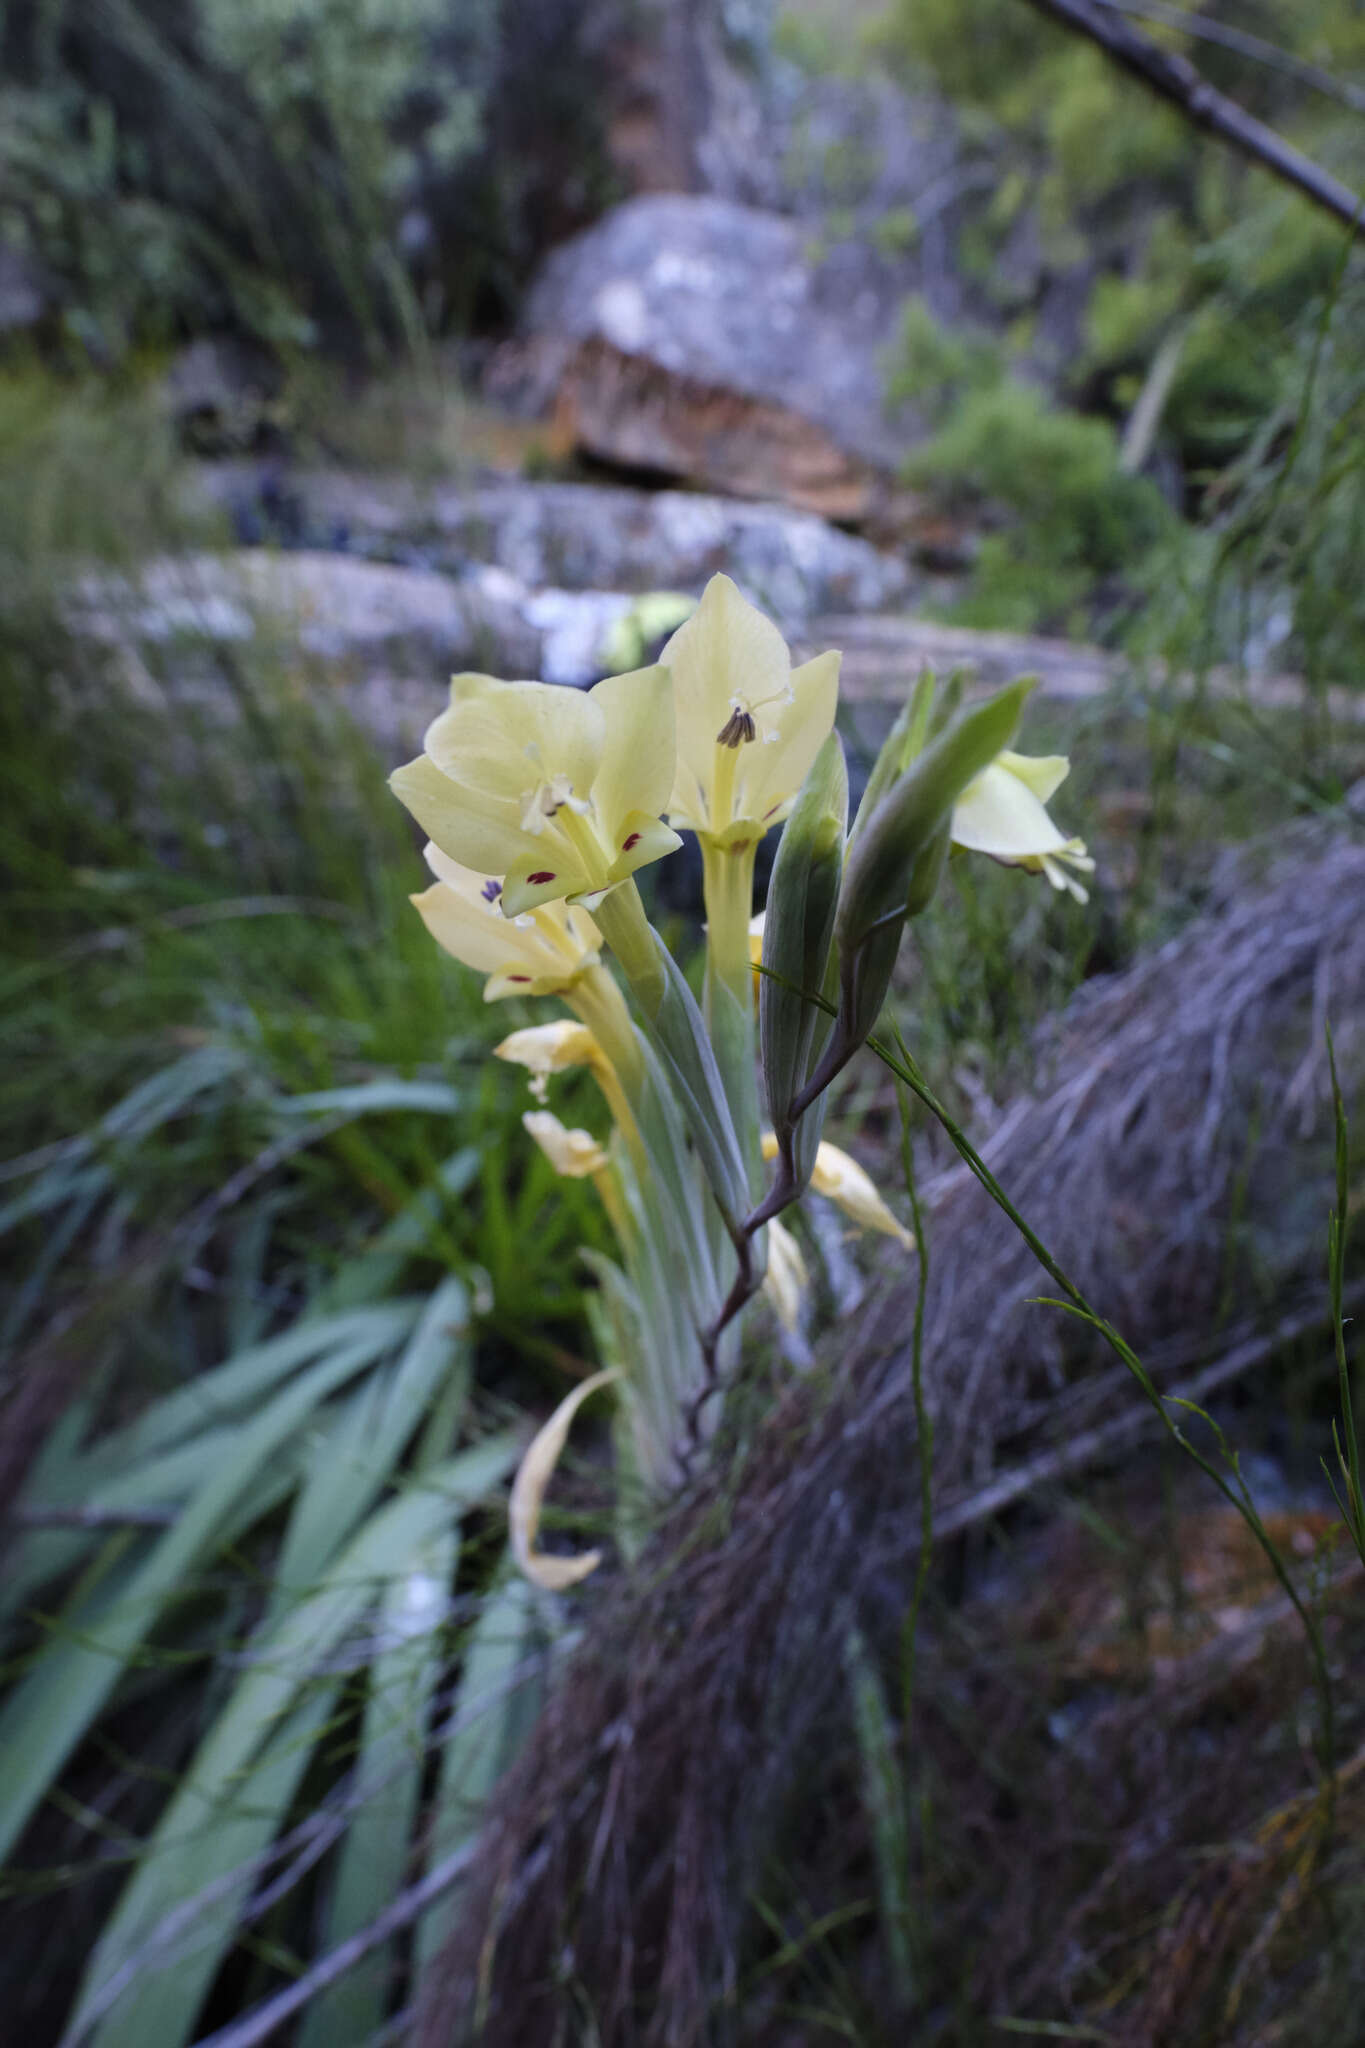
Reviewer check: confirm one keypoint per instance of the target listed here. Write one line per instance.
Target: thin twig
(1205, 30)
(1175, 79)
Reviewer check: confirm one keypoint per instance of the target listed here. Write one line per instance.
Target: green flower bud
(902, 744)
(798, 934)
(901, 829)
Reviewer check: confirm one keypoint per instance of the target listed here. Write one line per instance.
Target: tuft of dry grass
(615, 1874)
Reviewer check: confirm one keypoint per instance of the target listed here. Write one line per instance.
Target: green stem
(924, 1421)
(597, 1002)
(620, 917)
(728, 991)
(728, 890)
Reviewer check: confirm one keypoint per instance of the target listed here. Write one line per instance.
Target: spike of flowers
(541, 804)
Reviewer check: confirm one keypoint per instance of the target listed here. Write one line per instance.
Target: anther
(738, 729)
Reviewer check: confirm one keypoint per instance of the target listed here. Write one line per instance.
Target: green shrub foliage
(343, 170)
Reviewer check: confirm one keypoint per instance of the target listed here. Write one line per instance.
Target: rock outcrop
(695, 337)
(565, 536)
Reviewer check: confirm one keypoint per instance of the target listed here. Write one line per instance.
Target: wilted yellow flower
(844, 1182)
(528, 1495)
(748, 724)
(786, 1278)
(546, 1049)
(541, 952)
(557, 791)
(1002, 813)
(576, 1154)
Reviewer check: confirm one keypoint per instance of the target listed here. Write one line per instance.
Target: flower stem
(620, 917)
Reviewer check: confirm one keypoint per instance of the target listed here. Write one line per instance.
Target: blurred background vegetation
(245, 1102)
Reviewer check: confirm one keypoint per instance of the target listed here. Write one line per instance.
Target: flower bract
(558, 792)
(540, 952)
(1003, 813)
(748, 723)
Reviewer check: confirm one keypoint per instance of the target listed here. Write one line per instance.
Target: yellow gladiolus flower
(557, 791)
(786, 1278)
(844, 1182)
(748, 724)
(541, 952)
(576, 1154)
(1002, 813)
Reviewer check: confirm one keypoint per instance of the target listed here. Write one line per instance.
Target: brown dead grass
(617, 1868)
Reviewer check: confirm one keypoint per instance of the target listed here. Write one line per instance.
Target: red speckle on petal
(541, 875)
(626, 844)
(739, 846)
(519, 977)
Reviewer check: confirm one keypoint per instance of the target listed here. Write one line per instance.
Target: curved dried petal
(528, 1494)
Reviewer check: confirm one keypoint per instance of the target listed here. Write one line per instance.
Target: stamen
(491, 891)
(738, 729)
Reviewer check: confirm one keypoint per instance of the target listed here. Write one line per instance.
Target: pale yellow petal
(547, 875)
(575, 1154)
(1000, 815)
(497, 740)
(528, 1494)
(842, 1180)
(774, 766)
(1044, 774)
(786, 1278)
(726, 649)
(490, 840)
(539, 953)
(635, 773)
(641, 838)
(551, 1048)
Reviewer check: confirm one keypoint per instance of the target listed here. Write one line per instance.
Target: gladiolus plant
(541, 805)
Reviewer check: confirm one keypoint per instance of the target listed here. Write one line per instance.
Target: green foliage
(261, 1187)
(1181, 236)
(933, 366)
(1099, 133)
(292, 171)
(1272, 580)
(976, 50)
(1074, 516)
